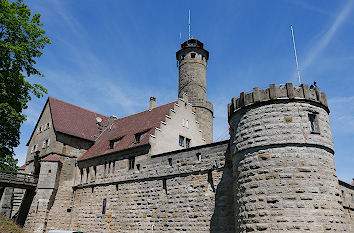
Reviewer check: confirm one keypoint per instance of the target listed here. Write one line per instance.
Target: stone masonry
(282, 153)
(275, 174)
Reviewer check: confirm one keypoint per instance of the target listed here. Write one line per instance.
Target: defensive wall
(276, 173)
(282, 154)
(187, 190)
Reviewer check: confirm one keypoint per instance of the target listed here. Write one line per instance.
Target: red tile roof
(51, 158)
(22, 167)
(74, 120)
(126, 128)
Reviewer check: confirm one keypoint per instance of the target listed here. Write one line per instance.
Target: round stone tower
(192, 64)
(282, 154)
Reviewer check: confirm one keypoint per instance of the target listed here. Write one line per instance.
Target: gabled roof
(51, 158)
(74, 120)
(125, 129)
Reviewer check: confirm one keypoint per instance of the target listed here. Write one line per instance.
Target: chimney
(152, 102)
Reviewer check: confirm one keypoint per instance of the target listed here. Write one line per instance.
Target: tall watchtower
(192, 64)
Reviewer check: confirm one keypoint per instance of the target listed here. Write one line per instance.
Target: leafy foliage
(21, 42)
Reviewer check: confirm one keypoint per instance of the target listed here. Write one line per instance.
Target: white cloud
(328, 35)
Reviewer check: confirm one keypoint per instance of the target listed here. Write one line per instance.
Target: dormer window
(192, 55)
(139, 136)
(113, 143)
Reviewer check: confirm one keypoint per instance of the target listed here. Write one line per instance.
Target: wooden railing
(17, 179)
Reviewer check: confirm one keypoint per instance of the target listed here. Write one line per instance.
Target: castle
(159, 171)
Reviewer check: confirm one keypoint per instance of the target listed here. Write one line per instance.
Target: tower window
(181, 140)
(192, 55)
(314, 126)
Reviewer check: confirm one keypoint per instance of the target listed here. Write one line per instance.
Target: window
(48, 125)
(113, 143)
(48, 142)
(131, 163)
(192, 55)
(199, 157)
(314, 127)
(138, 167)
(35, 147)
(170, 161)
(181, 140)
(164, 185)
(104, 206)
(188, 143)
(43, 144)
(49, 171)
(139, 136)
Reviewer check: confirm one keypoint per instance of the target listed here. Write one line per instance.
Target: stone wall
(188, 190)
(282, 152)
(347, 192)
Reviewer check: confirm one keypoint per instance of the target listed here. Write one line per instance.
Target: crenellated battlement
(274, 93)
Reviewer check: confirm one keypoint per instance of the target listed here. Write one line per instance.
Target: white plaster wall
(167, 138)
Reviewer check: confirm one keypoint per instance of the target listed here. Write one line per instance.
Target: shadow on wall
(223, 216)
(21, 216)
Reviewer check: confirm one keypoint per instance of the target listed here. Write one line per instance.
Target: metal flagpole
(189, 24)
(297, 63)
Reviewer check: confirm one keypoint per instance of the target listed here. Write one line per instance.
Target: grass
(9, 226)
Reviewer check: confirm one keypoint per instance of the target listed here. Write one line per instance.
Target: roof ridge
(144, 111)
(50, 97)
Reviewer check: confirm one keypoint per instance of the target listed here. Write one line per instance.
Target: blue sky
(111, 56)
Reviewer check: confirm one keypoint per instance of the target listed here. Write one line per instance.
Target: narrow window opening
(170, 161)
(131, 163)
(188, 143)
(95, 170)
(92, 189)
(138, 167)
(113, 166)
(109, 167)
(181, 140)
(210, 180)
(37, 206)
(164, 185)
(192, 55)
(199, 157)
(68, 210)
(105, 168)
(116, 187)
(314, 127)
(49, 171)
(104, 206)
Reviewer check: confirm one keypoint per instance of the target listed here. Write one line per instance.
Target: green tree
(22, 40)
